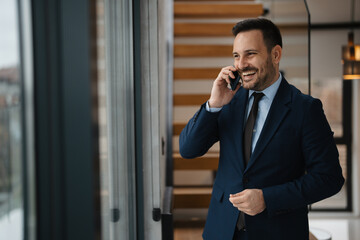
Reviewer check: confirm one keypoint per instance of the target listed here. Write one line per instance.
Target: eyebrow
(246, 51)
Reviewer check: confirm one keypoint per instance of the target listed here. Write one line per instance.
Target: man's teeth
(248, 73)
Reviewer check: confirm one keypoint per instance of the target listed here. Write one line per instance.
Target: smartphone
(234, 81)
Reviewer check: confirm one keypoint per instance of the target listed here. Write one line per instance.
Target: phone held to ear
(234, 81)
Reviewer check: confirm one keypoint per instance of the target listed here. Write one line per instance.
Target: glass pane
(11, 188)
(338, 201)
(115, 89)
(103, 138)
(292, 19)
(327, 78)
(329, 91)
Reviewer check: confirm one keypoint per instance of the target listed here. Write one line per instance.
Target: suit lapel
(278, 110)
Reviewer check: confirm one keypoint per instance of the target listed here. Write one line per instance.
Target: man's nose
(241, 63)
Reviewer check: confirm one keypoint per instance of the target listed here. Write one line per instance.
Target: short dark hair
(270, 31)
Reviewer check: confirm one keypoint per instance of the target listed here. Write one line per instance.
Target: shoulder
(301, 99)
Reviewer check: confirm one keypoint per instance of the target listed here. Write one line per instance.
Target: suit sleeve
(323, 177)
(200, 133)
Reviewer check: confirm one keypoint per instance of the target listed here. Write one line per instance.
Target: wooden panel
(207, 162)
(188, 231)
(192, 201)
(217, 10)
(185, 50)
(190, 99)
(192, 197)
(196, 73)
(219, 29)
(203, 29)
(177, 128)
(192, 223)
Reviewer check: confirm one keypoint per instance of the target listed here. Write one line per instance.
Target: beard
(264, 80)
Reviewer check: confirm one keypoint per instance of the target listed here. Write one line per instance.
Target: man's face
(256, 66)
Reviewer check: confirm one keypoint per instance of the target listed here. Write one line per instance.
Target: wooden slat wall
(190, 99)
(185, 50)
(177, 128)
(216, 10)
(202, 29)
(192, 197)
(192, 200)
(208, 162)
(196, 73)
(218, 29)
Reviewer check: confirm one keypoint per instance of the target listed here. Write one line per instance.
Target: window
(11, 137)
(335, 94)
(327, 85)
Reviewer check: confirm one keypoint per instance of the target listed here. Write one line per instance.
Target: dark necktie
(248, 133)
(249, 127)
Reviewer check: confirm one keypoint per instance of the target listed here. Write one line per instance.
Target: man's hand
(220, 93)
(249, 201)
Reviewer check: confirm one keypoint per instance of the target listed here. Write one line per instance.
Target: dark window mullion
(347, 128)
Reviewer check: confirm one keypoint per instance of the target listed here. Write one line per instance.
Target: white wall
(356, 148)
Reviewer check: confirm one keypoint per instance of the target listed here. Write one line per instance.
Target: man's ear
(276, 54)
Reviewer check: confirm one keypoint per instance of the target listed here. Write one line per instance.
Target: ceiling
(321, 11)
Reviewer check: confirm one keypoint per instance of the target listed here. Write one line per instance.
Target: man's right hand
(220, 93)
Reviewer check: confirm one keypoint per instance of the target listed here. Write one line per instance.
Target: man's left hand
(249, 201)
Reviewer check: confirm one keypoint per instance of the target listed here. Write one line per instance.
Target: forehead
(247, 40)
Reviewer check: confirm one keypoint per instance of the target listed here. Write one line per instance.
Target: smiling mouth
(248, 74)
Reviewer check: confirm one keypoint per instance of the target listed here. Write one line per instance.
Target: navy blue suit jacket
(295, 163)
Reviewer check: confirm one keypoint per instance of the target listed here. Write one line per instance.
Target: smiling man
(277, 152)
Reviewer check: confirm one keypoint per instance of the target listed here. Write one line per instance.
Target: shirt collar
(270, 91)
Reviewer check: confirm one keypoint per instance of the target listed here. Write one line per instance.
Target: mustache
(248, 69)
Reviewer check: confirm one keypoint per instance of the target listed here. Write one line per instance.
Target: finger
(231, 74)
(234, 201)
(232, 197)
(228, 71)
(225, 78)
(222, 80)
(241, 207)
(229, 68)
(232, 69)
(223, 75)
(238, 201)
(234, 194)
(238, 194)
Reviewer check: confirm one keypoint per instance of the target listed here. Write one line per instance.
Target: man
(277, 152)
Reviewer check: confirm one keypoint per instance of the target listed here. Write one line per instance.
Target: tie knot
(257, 96)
